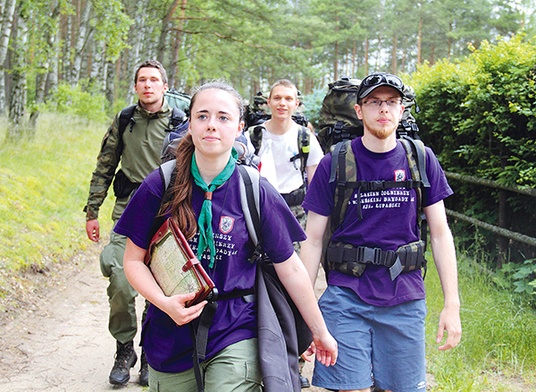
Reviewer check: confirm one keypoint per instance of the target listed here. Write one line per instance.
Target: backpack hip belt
(352, 260)
(295, 198)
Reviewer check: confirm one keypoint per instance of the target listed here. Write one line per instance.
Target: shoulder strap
(304, 146)
(166, 172)
(343, 171)
(125, 117)
(255, 136)
(416, 154)
(250, 200)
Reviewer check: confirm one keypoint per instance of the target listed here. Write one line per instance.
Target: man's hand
(449, 321)
(93, 230)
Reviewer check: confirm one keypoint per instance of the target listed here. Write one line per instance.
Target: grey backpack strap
(250, 200)
(166, 171)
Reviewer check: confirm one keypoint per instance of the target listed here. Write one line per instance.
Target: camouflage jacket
(142, 145)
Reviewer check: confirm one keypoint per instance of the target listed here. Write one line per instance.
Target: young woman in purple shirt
(206, 205)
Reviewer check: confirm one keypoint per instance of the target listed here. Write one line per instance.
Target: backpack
(281, 326)
(343, 172)
(338, 120)
(304, 142)
(176, 99)
(257, 112)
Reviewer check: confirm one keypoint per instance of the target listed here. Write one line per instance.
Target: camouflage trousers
(122, 322)
(301, 216)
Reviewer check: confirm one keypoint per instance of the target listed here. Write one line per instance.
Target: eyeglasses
(377, 103)
(375, 79)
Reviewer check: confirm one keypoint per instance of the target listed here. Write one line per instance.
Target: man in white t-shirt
(289, 154)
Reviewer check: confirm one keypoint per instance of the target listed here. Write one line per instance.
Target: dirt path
(59, 341)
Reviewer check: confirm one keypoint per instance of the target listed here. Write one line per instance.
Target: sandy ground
(59, 341)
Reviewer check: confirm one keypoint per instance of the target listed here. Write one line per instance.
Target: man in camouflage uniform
(137, 152)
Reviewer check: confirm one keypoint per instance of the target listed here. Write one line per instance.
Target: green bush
(478, 116)
(83, 100)
(313, 104)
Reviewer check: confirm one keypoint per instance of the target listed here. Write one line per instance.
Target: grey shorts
(383, 346)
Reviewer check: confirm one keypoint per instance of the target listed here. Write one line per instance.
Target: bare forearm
(311, 248)
(310, 254)
(302, 293)
(444, 255)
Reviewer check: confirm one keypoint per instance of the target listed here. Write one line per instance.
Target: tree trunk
(394, 57)
(17, 106)
(336, 54)
(6, 24)
(419, 39)
(109, 83)
(366, 59)
(174, 61)
(80, 43)
(166, 24)
(354, 59)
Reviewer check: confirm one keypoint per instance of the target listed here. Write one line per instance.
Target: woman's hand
(175, 307)
(325, 349)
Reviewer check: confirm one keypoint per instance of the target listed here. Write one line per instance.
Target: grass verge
(497, 351)
(44, 184)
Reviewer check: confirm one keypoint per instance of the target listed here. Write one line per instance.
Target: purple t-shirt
(389, 219)
(168, 347)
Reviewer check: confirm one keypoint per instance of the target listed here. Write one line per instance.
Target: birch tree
(17, 105)
(7, 11)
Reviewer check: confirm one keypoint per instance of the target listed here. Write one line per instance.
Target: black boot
(144, 370)
(304, 382)
(125, 358)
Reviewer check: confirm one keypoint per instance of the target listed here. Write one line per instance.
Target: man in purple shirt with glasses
(376, 312)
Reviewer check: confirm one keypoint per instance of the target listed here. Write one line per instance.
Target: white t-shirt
(275, 154)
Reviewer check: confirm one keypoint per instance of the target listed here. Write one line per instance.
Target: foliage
(111, 25)
(519, 278)
(478, 116)
(83, 100)
(313, 104)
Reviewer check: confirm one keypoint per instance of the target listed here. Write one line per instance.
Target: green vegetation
(477, 114)
(44, 184)
(497, 347)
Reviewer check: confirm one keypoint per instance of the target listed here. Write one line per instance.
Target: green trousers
(122, 322)
(233, 369)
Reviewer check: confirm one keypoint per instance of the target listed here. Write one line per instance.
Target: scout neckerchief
(204, 222)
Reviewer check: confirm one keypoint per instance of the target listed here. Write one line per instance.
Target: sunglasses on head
(375, 79)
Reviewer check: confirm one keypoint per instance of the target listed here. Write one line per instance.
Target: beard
(381, 132)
